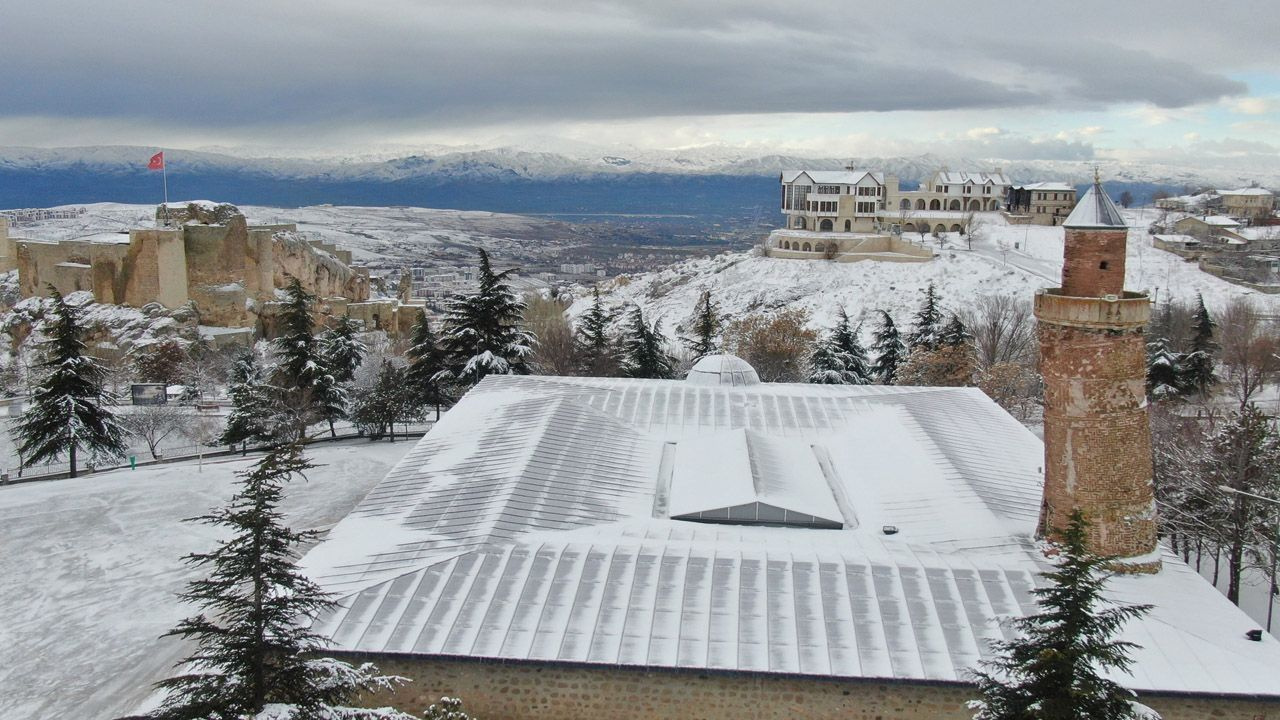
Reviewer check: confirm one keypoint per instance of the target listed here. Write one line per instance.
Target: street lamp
(1271, 588)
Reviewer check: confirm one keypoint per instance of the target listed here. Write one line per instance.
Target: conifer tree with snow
(309, 389)
(482, 334)
(342, 349)
(427, 360)
(252, 646)
(889, 349)
(706, 328)
(70, 408)
(599, 357)
(955, 334)
(1054, 669)
(846, 339)
(1166, 375)
(251, 404)
(643, 352)
(1198, 365)
(928, 322)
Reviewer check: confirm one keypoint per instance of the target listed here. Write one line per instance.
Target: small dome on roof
(722, 369)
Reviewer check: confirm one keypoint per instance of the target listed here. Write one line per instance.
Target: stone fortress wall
(208, 255)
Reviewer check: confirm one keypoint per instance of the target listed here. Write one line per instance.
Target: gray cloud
(270, 63)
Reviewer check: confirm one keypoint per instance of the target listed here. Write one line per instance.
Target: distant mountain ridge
(582, 179)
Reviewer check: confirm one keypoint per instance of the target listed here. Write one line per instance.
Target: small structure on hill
(1042, 203)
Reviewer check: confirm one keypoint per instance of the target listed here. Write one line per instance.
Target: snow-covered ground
(371, 233)
(1005, 259)
(90, 567)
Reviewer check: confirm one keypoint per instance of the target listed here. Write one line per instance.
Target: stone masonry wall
(1093, 265)
(1097, 438)
(525, 690)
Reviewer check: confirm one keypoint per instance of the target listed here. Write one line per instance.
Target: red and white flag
(157, 161)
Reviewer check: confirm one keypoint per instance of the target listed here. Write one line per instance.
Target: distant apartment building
(1248, 203)
(1043, 203)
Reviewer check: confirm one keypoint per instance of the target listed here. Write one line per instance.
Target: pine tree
(342, 349)
(309, 389)
(1053, 671)
(706, 326)
(846, 340)
(252, 645)
(1166, 375)
(643, 354)
(482, 333)
(595, 347)
(251, 404)
(927, 321)
(955, 334)
(1198, 365)
(70, 407)
(828, 365)
(889, 349)
(427, 360)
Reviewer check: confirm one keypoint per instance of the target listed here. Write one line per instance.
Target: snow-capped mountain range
(465, 177)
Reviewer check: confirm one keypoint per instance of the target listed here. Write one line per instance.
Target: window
(986, 189)
(937, 188)
(828, 189)
(1102, 265)
(866, 208)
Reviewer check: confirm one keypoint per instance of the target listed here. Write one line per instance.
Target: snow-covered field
(90, 567)
(1005, 259)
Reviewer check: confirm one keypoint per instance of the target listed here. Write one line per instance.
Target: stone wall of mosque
(498, 690)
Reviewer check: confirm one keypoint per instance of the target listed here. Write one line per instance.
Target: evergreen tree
(643, 354)
(889, 349)
(598, 356)
(70, 407)
(846, 340)
(427, 360)
(955, 334)
(1198, 365)
(252, 645)
(392, 399)
(482, 333)
(1053, 671)
(342, 349)
(927, 322)
(1166, 375)
(309, 389)
(706, 326)
(251, 404)
(829, 365)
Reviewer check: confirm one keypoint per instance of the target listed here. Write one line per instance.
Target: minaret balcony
(1111, 312)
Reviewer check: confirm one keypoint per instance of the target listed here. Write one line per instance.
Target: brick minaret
(1097, 440)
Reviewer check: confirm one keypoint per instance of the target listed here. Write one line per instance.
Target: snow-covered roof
(1184, 239)
(1095, 210)
(722, 369)
(948, 177)
(1246, 191)
(535, 522)
(1219, 220)
(1048, 186)
(833, 177)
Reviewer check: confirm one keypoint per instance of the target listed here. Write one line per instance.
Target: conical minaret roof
(1095, 210)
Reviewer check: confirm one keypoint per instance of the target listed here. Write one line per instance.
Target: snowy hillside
(1005, 259)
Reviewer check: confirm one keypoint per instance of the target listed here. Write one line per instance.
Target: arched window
(955, 228)
(955, 205)
(935, 205)
(939, 228)
(920, 204)
(848, 224)
(905, 204)
(800, 223)
(807, 248)
(909, 227)
(825, 225)
(975, 205)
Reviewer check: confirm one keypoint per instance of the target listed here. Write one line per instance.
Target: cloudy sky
(1167, 80)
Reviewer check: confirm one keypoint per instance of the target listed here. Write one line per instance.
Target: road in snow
(91, 565)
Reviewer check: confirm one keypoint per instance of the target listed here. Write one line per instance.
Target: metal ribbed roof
(531, 523)
(1095, 210)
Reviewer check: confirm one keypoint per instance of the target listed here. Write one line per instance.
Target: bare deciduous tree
(776, 345)
(554, 352)
(153, 423)
(1003, 329)
(1249, 350)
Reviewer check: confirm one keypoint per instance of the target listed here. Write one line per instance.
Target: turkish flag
(157, 161)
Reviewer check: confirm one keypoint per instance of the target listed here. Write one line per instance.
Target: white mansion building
(861, 201)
